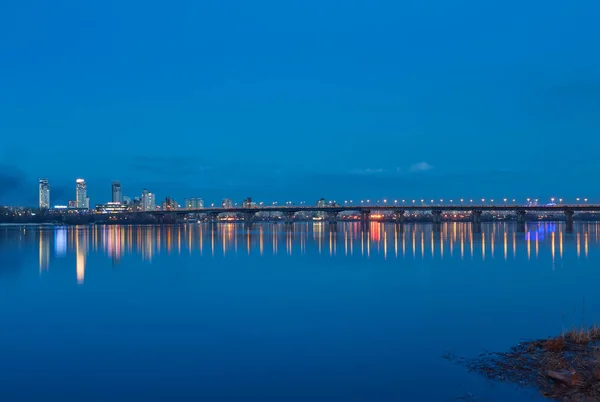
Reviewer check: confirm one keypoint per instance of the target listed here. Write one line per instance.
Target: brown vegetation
(564, 368)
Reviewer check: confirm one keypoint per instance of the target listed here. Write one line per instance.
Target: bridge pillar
(332, 217)
(476, 218)
(365, 216)
(212, 217)
(249, 217)
(289, 217)
(399, 215)
(436, 215)
(569, 220)
(365, 220)
(521, 220)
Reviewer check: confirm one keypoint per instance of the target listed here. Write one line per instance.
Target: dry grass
(565, 368)
(582, 336)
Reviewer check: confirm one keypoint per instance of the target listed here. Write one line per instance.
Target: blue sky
(298, 100)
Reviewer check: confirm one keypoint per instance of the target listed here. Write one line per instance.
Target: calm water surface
(272, 313)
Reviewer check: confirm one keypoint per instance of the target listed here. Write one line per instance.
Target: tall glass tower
(44, 194)
(81, 200)
(117, 193)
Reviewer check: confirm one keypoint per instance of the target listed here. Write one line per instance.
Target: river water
(276, 313)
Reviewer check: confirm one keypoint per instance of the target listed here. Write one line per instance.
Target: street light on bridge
(505, 200)
(578, 200)
(560, 200)
(585, 200)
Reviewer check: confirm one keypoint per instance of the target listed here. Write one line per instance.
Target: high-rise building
(44, 194)
(117, 193)
(194, 203)
(148, 201)
(136, 204)
(169, 204)
(81, 199)
(227, 203)
(321, 204)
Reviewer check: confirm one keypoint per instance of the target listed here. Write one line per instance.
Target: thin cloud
(420, 167)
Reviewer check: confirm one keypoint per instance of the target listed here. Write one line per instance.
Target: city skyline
(148, 200)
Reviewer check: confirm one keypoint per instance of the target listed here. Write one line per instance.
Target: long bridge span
(331, 212)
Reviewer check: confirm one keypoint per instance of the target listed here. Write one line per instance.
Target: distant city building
(148, 201)
(247, 203)
(136, 204)
(117, 193)
(169, 205)
(194, 203)
(321, 204)
(44, 194)
(111, 208)
(227, 203)
(81, 199)
(72, 204)
(126, 200)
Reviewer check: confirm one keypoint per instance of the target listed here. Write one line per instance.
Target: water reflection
(385, 240)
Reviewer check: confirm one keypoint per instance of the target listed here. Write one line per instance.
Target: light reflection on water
(323, 311)
(381, 240)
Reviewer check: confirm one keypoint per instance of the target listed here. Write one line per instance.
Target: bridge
(331, 212)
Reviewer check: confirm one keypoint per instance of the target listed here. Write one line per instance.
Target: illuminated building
(117, 193)
(136, 204)
(111, 208)
(148, 201)
(81, 199)
(227, 203)
(321, 204)
(247, 203)
(169, 204)
(44, 194)
(126, 200)
(194, 203)
(72, 204)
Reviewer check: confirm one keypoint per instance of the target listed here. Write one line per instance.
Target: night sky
(284, 100)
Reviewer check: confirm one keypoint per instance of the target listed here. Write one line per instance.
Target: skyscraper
(44, 194)
(148, 201)
(194, 203)
(81, 200)
(117, 193)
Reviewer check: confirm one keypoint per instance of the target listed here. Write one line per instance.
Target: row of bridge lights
(423, 201)
(462, 201)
